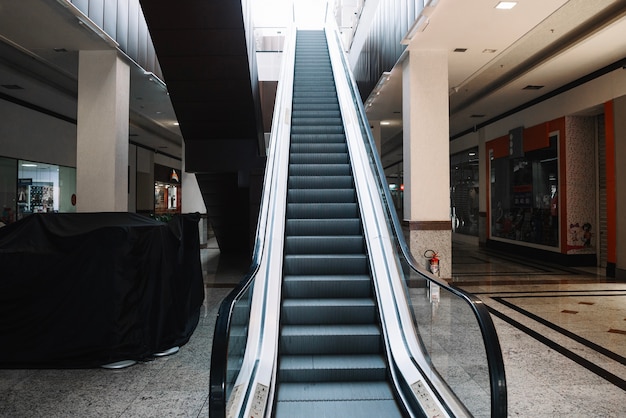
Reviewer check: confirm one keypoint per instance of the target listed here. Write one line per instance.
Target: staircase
(332, 360)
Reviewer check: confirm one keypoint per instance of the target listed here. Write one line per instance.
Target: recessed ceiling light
(59, 49)
(489, 51)
(176, 124)
(506, 5)
(384, 123)
(460, 49)
(532, 87)
(477, 116)
(29, 165)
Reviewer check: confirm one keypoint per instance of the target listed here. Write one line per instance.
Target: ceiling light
(29, 165)
(532, 87)
(489, 51)
(176, 124)
(460, 49)
(384, 123)
(506, 5)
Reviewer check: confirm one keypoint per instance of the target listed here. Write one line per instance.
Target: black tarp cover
(87, 289)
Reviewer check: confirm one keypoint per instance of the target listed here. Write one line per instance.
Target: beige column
(427, 156)
(102, 132)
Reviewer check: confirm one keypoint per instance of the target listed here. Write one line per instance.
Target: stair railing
(415, 333)
(244, 353)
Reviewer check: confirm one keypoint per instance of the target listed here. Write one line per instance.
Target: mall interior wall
(31, 135)
(584, 101)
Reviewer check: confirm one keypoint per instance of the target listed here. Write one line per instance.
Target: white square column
(102, 132)
(427, 156)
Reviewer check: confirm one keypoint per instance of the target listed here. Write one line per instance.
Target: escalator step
(311, 311)
(306, 264)
(330, 195)
(317, 148)
(357, 286)
(322, 210)
(337, 129)
(332, 368)
(342, 169)
(314, 138)
(330, 339)
(323, 227)
(320, 244)
(320, 182)
(319, 158)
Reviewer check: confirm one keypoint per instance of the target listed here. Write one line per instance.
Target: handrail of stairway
(266, 265)
(485, 323)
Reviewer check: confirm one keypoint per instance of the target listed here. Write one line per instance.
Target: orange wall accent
(611, 202)
(500, 147)
(536, 137)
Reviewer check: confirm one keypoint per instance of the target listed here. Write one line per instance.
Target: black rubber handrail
(495, 362)
(219, 351)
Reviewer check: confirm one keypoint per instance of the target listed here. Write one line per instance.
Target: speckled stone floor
(562, 334)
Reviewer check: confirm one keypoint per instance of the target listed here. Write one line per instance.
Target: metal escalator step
(317, 148)
(314, 138)
(306, 264)
(342, 169)
(332, 368)
(322, 210)
(319, 158)
(315, 113)
(330, 339)
(330, 195)
(316, 122)
(305, 129)
(320, 182)
(324, 244)
(323, 227)
(320, 286)
(331, 106)
(314, 311)
(335, 391)
(377, 408)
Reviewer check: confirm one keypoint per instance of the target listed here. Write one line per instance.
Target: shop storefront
(28, 187)
(541, 188)
(167, 192)
(464, 192)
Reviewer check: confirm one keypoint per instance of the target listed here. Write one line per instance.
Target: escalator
(332, 360)
(335, 318)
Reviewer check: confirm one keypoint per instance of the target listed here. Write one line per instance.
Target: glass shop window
(44, 187)
(524, 196)
(464, 192)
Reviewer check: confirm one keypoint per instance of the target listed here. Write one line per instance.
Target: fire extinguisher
(433, 259)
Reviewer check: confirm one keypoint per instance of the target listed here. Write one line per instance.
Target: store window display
(167, 192)
(33, 187)
(524, 196)
(464, 191)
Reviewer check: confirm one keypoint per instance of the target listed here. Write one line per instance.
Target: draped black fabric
(87, 289)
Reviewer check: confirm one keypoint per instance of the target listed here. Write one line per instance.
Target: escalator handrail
(219, 353)
(490, 338)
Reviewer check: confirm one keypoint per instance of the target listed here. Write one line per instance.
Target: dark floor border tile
(592, 367)
(522, 293)
(589, 344)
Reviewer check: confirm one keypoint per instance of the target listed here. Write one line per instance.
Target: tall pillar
(427, 156)
(102, 132)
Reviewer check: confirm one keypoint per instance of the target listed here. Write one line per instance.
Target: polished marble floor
(562, 332)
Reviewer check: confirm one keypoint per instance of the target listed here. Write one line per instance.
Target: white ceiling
(546, 43)
(39, 44)
(539, 42)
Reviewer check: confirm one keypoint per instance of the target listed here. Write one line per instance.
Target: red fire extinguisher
(433, 259)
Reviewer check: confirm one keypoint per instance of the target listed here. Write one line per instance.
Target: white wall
(30, 135)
